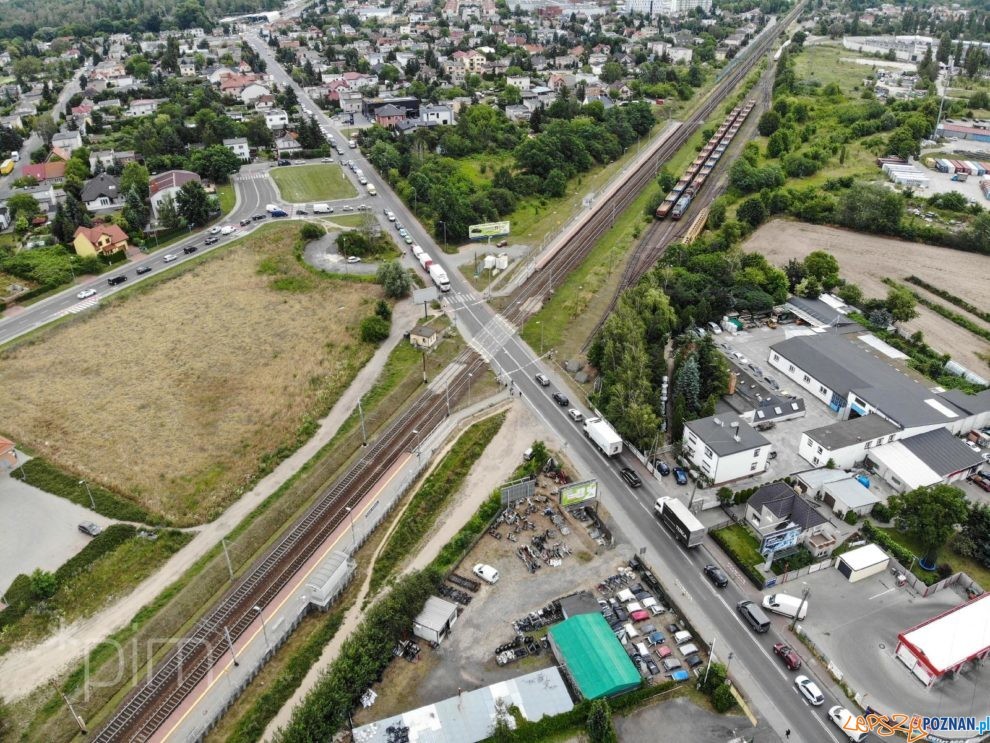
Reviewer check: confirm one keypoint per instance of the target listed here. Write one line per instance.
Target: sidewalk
(23, 670)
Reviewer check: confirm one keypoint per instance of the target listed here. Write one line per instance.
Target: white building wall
(743, 464)
(808, 383)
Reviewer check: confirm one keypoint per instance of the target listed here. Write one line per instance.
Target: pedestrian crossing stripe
(80, 306)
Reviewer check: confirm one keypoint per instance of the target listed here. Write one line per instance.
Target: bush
(310, 231)
(383, 310)
(851, 517)
(742, 496)
(374, 329)
(722, 699)
(43, 584)
(881, 512)
(599, 726)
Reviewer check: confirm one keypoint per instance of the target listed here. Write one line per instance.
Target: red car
(790, 658)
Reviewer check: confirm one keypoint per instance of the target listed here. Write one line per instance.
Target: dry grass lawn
(181, 392)
(867, 259)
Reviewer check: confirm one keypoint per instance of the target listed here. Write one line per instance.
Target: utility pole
(72, 711)
(230, 645)
(264, 629)
(230, 568)
(804, 600)
(89, 493)
(364, 433)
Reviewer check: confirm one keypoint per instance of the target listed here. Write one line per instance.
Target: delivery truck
(8, 167)
(425, 261)
(372, 191)
(322, 209)
(439, 277)
(684, 524)
(603, 436)
(789, 606)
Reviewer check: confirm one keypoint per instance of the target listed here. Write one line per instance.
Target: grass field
(948, 555)
(828, 63)
(213, 375)
(319, 182)
(227, 198)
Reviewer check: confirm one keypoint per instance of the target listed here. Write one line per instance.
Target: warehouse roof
(905, 464)
(850, 432)
(954, 636)
(942, 452)
(819, 313)
(851, 492)
(593, 656)
(972, 404)
(726, 434)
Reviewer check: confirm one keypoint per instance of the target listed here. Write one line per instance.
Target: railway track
(147, 707)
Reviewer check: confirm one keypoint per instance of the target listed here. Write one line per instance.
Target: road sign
(488, 229)
(578, 492)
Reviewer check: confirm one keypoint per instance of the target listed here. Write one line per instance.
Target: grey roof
(235, 140)
(389, 110)
(850, 432)
(719, 433)
(781, 499)
(772, 406)
(424, 331)
(436, 613)
(851, 492)
(972, 404)
(102, 185)
(470, 716)
(579, 603)
(843, 366)
(942, 452)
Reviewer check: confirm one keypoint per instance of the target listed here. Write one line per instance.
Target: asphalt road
(762, 676)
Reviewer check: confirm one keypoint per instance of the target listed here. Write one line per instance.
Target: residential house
(253, 92)
(100, 239)
(107, 159)
(264, 103)
(143, 106)
(167, 184)
(187, 67)
(68, 141)
(102, 192)
(389, 116)
(239, 146)
(440, 114)
(521, 82)
(287, 146)
(52, 171)
(783, 520)
(45, 194)
(276, 119)
(351, 101)
(725, 448)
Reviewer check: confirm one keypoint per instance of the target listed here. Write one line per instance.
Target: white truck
(425, 261)
(439, 277)
(372, 191)
(603, 436)
(781, 603)
(322, 209)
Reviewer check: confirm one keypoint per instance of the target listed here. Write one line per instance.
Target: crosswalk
(253, 175)
(80, 307)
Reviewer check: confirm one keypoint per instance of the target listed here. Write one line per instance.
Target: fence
(925, 590)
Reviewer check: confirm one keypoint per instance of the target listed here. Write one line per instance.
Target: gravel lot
(867, 259)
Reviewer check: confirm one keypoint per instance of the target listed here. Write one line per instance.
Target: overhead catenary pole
(230, 645)
(230, 568)
(72, 711)
(364, 433)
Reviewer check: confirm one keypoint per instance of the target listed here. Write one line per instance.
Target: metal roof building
(926, 459)
(470, 717)
(593, 657)
(948, 641)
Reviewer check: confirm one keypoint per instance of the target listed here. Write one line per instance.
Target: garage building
(593, 657)
(944, 644)
(434, 622)
(863, 562)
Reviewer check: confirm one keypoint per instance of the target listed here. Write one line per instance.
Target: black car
(192, 248)
(143, 269)
(561, 399)
(245, 221)
(660, 466)
(284, 162)
(716, 575)
(258, 217)
(693, 660)
(630, 476)
(303, 212)
(114, 280)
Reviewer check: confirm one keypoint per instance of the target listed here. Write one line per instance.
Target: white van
(682, 637)
(781, 603)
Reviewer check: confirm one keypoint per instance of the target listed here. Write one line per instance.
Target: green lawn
(345, 220)
(227, 198)
(301, 183)
(822, 63)
(743, 541)
(959, 563)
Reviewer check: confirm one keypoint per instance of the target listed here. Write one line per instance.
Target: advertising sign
(578, 492)
(779, 540)
(488, 229)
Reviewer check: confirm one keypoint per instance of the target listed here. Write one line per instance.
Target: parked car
(86, 293)
(543, 380)
(486, 572)
(846, 722)
(88, 527)
(353, 259)
(169, 258)
(629, 475)
(575, 415)
(143, 270)
(258, 217)
(283, 162)
(661, 466)
(716, 575)
(809, 690)
(680, 476)
(561, 399)
(791, 659)
(981, 482)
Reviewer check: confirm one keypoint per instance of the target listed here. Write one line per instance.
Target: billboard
(488, 229)
(780, 540)
(578, 492)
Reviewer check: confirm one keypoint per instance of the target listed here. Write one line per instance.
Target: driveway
(38, 529)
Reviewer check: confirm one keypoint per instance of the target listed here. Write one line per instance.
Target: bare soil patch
(867, 259)
(179, 393)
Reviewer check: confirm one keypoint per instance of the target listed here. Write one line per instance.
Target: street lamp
(89, 493)
(264, 628)
(440, 221)
(538, 322)
(470, 375)
(804, 600)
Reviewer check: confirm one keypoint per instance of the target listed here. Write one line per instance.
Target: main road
(768, 684)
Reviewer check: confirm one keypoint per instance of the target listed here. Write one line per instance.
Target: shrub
(881, 512)
(383, 310)
(43, 584)
(722, 699)
(599, 726)
(310, 231)
(374, 329)
(851, 517)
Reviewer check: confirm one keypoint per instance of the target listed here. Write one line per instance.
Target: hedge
(954, 317)
(957, 301)
(252, 725)
(42, 474)
(902, 554)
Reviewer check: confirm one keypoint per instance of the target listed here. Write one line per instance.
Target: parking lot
(856, 625)
(40, 530)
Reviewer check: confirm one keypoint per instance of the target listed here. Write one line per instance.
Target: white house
(521, 82)
(101, 192)
(276, 119)
(253, 92)
(143, 106)
(239, 146)
(68, 141)
(437, 114)
(846, 443)
(725, 448)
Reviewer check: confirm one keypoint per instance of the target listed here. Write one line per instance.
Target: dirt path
(867, 259)
(22, 670)
(518, 432)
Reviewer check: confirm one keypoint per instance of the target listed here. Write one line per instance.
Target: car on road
(246, 221)
(327, 160)
(347, 208)
(86, 293)
(408, 239)
(303, 212)
(629, 475)
(208, 241)
(791, 659)
(575, 415)
(846, 722)
(114, 280)
(353, 259)
(143, 270)
(680, 476)
(215, 230)
(189, 249)
(258, 217)
(88, 527)
(486, 572)
(284, 162)
(542, 379)
(561, 399)
(169, 258)
(716, 575)
(809, 690)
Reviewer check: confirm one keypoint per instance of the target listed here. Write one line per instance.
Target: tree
(823, 268)
(769, 123)
(311, 231)
(722, 699)
(752, 212)
(930, 515)
(168, 214)
(46, 127)
(135, 174)
(22, 205)
(135, 209)
(900, 303)
(394, 280)
(555, 183)
(611, 72)
(974, 540)
(850, 294)
(193, 203)
(9, 139)
(43, 584)
(216, 162)
(374, 329)
(599, 724)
